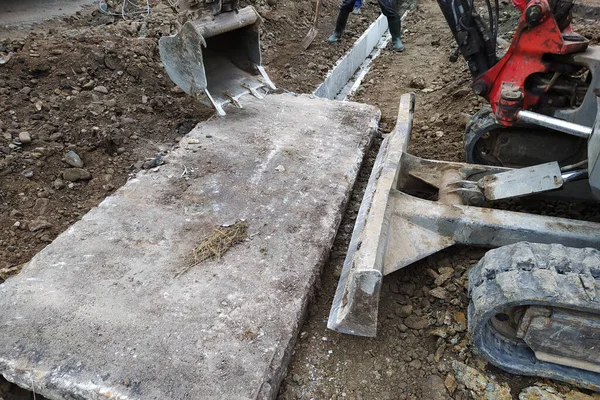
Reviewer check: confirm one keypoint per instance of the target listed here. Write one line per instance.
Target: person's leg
(394, 23)
(357, 6)
(342, 18)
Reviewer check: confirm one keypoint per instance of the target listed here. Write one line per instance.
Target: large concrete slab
(100, 313)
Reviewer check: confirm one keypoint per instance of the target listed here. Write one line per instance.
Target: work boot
(339, 26)
(395, 30)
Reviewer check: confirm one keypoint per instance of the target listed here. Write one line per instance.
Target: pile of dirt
(81, 109)
(85, 104)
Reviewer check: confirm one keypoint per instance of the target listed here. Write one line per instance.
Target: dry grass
(215, 244)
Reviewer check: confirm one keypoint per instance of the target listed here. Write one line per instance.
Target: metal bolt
(534, 14)
(511, 95)
(480, 88)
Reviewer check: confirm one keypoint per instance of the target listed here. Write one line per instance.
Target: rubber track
(482, 122)
(532, 274)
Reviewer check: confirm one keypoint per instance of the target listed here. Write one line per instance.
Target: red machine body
(537, 35)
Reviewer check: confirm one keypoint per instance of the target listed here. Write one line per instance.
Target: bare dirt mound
(93, 84)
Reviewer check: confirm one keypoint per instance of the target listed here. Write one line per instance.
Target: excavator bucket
(217, 58)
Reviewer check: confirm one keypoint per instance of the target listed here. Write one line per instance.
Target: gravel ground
(92, 84)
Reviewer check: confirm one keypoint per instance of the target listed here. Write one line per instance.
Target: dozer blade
(228, 68)
(396, 226)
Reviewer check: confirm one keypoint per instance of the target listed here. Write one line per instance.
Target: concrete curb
(337, 78)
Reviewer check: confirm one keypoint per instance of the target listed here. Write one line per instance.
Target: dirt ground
(93, 84)
(419, 336)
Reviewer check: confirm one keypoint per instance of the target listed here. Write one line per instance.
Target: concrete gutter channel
(100, 313)
(347, 74)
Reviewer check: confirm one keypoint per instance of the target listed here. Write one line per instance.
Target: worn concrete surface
(99, 313)
(26, 12)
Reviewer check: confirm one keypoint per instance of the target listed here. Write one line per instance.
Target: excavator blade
(413, 207)
(217, 59)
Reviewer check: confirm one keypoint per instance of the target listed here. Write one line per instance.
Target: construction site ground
(93, 84)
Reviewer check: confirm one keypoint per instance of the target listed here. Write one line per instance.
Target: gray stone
(58, 184)
(438, 293)
(101, 89)
(416, 322)
(470, 377)
(38, 225)
(76, 174)
(24, 137)
(41, 206)
(538, 393)
(404, 311)
(434, 389)
(73, 159)
(101, 312)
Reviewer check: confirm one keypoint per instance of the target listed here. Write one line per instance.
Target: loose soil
(402, 362)
(93, 84)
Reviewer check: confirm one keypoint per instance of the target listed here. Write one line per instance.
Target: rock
(462, 92)
(27, 173)
(439, 134)
(38, 225)
(434, 389)
(416, 322)
(495, 391)
(438, 293)
(502, 43)
(417, 82)
(16, 214)
(439, 332)
(415, 364)
(143, 32)
(73, 159)
(155, 162)
(538, 393)
(76, 174)
(450, 383)
(445, 274)
(464, 119)
(101, 89)
(439, 352)
(575, 395)
(404, 311)
(406, 288)
(470, 377)
(41, 206)
(88, 85)
(24, 137)
(58, 184)
(461, 321)
(110, 103)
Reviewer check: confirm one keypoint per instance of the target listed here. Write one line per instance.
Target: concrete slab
(100, 312)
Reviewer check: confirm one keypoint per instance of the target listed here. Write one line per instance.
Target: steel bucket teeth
(217, 59)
